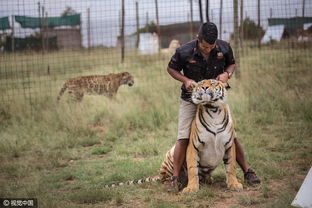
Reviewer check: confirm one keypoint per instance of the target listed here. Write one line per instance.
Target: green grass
(64, 153)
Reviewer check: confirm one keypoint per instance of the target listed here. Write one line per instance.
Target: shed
(65, 29)
(291, 24)
(273, 33)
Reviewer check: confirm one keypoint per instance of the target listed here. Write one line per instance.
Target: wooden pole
(220, 18)
(259, 38)
(207, 10)
(47, 31)
(236, 34)
(122, 31)
(191, 22)
(200, 11)
(42, 29)
(303, 7)
(147, 20)
(158, 26)
(241, 28)
(39, 13)
(137, 24)
(12, 35)
(89, 29)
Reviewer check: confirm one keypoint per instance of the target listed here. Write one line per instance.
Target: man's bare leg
(179, 156)
(240, 156)
(178, 160)
(249, 175)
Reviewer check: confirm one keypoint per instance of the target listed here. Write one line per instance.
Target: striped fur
(211, 141)
(96, 84)
(131, 182)
(212, 136)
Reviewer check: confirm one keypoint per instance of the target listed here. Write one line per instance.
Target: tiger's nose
(205, 88)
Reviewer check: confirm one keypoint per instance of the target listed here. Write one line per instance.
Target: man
(204, 58)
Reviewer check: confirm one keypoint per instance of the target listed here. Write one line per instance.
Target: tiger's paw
(190, 189)
(235, 186)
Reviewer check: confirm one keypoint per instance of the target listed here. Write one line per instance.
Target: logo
(219, 55)
(6, 203)
(192, 61)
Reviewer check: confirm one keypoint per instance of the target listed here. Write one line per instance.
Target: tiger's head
(126, 78)
(210, 92)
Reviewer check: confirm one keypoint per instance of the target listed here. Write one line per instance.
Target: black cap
(209, 32)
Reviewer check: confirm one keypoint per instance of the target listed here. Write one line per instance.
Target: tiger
(211, 140)
(96, 84)
(211, 137)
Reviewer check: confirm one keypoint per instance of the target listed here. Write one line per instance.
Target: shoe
(251, 177)
(173, 185)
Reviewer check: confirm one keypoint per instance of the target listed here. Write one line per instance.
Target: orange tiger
(211, 141)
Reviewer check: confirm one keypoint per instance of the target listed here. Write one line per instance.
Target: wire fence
(45, 42)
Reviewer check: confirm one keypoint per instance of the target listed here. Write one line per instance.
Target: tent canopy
(36, 22)
(4, 23)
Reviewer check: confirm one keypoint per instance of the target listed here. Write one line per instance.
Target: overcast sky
(105, 13)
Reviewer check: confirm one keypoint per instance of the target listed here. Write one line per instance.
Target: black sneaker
(251, 177)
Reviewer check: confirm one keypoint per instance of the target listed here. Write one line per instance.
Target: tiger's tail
(139, 181)
(62, 91)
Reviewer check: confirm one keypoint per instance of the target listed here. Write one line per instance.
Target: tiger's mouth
(202, 97)
(206, 97)
(130, 84)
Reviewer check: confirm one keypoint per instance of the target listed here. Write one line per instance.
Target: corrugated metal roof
(291, 24)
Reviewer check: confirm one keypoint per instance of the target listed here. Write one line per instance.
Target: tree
(150, 27)
(251, 31)
(68, 11)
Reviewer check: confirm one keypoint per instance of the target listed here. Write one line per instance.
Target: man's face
(205, 47)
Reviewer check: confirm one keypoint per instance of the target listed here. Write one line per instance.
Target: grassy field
(64, 153)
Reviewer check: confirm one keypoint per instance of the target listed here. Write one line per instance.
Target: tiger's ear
(124, 74)
(225, 85)
(194, 85)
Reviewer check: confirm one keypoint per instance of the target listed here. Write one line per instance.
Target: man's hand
(224, 77)
(188, 84)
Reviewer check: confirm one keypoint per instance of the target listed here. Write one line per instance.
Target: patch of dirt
(232, 199)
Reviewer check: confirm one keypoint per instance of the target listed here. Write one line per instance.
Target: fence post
(220, 18)
(137, 24)
(200, 11)
(89, 29)
(12, 35)
(207, 10)
(122, 31)
(191, 24)
(236, 43)
(241, 28)
(259, 31)
(158, 26)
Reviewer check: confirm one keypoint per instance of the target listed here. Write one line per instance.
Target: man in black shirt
(204, 58)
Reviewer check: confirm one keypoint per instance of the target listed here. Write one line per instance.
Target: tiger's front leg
(230, 162)
(192, 159)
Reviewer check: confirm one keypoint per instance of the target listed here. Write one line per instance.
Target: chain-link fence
(45, 42)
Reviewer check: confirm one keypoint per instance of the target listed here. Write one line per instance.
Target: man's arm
(180, 77)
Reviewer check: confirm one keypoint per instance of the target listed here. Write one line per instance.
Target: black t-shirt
(189, 59)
